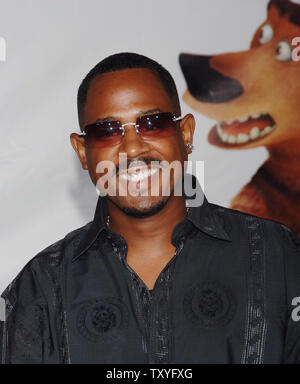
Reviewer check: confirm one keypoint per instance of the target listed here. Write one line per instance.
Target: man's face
(124, 96)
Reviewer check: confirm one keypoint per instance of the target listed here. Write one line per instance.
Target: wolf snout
(205, 83)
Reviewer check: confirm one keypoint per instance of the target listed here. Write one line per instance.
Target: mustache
(135, 163)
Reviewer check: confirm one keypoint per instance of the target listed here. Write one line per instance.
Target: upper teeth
(243, 119)
(139, 175)
(241, 138)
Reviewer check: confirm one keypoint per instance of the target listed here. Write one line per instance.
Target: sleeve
(23, 317)
(292, 278)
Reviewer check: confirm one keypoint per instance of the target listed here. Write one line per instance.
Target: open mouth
(242, 130)
(138, 180)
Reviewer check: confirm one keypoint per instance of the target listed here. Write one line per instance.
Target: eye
(266, 34)
(283, 51)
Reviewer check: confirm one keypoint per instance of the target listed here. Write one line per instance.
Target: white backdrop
(51, 45)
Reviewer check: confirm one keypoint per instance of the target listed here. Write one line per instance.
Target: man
(148, 280)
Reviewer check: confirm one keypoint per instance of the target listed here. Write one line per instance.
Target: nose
(132, 144)
(205, 83)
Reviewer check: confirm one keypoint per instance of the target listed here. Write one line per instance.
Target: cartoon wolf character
(255, 97)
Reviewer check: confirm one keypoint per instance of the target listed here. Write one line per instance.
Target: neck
(156, 229)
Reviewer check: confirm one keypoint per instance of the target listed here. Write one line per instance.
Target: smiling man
(150, 280)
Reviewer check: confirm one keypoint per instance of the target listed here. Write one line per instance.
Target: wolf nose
(205, 83)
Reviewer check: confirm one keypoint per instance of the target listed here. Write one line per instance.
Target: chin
(143, 206)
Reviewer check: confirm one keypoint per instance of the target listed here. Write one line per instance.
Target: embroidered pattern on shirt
(209, 304)
(26, 334)
(102, 318)
(255, 333)
(51, 265)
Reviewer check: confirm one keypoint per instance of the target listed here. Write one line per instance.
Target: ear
(187, 126)
(78, 144)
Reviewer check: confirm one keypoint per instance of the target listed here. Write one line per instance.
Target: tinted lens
(103, 134)
(157, 125)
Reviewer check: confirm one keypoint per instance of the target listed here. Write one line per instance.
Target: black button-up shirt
(230, 294)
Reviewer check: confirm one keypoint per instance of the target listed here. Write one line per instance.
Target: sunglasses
(149, 127)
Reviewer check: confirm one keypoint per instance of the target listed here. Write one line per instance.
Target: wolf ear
(287, 7)
(295, 16)
(282, 5)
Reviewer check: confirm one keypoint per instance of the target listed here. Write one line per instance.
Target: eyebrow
(107, 118)
(113, 118)
(150, 111)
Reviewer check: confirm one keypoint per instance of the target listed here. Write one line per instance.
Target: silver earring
(190, 146)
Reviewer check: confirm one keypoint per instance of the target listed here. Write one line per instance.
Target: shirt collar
(203, 217)
(96, 227)
(206, 220)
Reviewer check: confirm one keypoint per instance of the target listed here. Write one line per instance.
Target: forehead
(115, 93)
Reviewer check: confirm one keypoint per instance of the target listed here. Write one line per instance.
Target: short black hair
(122, 61)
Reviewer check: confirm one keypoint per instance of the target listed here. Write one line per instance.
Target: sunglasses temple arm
(178, 118)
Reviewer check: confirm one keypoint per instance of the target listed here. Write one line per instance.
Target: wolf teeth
(242, 138)
(219, 129)
(254, 134)
(229, 122)
(256, 116)
(231, 139)
(266, 130)
(243, 119)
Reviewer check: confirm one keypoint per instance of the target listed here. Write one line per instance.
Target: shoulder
(61, 250)
(236, 214)
(43, 269)
(271, 228)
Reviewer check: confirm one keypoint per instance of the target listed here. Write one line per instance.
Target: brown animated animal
(254, 96)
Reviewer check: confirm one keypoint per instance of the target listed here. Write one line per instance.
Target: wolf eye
(266, 34)
(283, 51)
